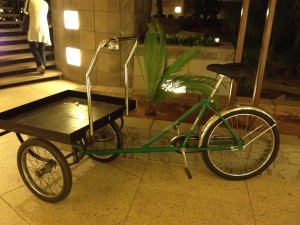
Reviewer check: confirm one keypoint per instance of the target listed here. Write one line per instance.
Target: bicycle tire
(44, 170)
(107, 137)
(254, 158)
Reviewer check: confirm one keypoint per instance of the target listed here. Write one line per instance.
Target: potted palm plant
(162, 78)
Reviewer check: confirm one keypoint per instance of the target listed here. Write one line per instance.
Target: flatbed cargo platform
(63, 117)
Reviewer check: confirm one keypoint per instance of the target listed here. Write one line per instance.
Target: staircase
(17, 65)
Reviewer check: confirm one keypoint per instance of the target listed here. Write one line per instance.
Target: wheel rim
(250, 159)
(105, 138)
(42, 171)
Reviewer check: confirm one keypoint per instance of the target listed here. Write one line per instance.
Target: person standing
(38, 33)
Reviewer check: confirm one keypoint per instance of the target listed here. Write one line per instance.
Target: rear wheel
(106, 137)
(44, 170)
(261, 142)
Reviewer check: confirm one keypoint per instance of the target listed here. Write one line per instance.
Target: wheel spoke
(259, 138)
(44, 170)
(106, 137)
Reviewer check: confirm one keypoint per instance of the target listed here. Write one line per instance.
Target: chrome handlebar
(114, 45)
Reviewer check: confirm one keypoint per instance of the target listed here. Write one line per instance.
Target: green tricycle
(236, 143)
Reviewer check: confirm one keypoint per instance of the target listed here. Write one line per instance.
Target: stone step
(9, 15)
(6, 8)
(11, 58)
(22, 66)
(13, 38)
(15, 57)
(11, 30)
(16, 61)
(31, 77)
(7, 48)
(10, 22)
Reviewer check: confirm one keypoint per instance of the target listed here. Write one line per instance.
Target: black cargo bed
(63, 117)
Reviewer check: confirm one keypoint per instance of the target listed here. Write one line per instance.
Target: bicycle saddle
(231, 70)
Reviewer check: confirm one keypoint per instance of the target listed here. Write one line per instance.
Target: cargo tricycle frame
(235, 143)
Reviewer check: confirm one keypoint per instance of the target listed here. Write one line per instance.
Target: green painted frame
(204, 104)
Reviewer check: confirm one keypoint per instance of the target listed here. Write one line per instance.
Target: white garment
(38, 23)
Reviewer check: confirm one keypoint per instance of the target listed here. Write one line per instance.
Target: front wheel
(260, 140)
(44, 170)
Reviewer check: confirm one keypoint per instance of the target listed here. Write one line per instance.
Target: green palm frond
(194, 83)
(155, 55)
(159, 74)
(181, 62)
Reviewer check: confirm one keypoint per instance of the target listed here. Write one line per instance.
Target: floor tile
(165, 207)
(171, 178)
(55, 86)
(271, 216)
(275, 200)
(7, 137)
(9, 175)
(275, 193)
(9, 216)
(101, 194)
(17, 96)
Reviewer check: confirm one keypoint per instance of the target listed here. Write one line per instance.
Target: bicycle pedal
(188, 173)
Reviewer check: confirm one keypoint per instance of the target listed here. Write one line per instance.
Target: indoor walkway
(131, 191)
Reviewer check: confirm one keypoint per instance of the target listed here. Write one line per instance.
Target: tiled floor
(136, 192)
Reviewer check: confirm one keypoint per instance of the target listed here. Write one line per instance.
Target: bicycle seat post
(217, 85)
(230, 70)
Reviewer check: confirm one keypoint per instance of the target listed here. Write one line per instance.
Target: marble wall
(98, 20)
